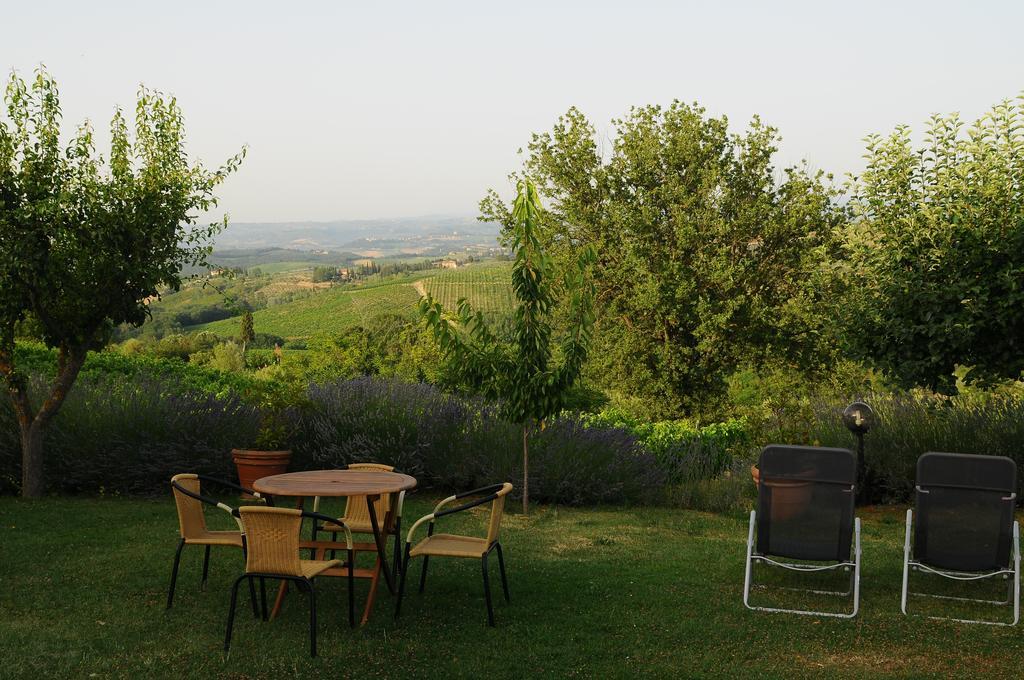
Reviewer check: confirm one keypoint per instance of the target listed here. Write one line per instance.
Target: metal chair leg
(401, 582)
(252, 598)
(487, 590)
(501, 566)
(398, 543)
(423, 572)
(312, 618)
(231, 612)
(351, 588)
(206, 567)
(174, 573)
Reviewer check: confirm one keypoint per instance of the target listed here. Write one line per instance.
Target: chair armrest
(445, 501)
(438, 513)
(211, 501)
(490, 489)
(230, 485)
(416, 525)
(331, 520)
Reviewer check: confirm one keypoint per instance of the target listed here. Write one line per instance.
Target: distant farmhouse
(447, 264)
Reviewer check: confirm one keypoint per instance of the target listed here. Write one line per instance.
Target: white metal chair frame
(853, 567)
(1014, 587)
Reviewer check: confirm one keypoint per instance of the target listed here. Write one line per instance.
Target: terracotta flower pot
(789, 499)
(253, 465)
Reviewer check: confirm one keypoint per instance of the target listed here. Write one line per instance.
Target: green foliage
(322, 274)
(247, 333)
(937, 249)
(660, 437)
(116, 367)
(228, 357)
(705, 260)
(389, 346)
(84, 243)
(523, 372)
(687, 452)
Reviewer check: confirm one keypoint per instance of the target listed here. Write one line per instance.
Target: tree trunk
(32, 423)
(526, 472)
(32, 480)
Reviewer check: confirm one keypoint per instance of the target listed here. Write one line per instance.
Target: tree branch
(69, 363)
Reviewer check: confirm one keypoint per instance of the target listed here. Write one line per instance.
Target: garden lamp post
(859, 418)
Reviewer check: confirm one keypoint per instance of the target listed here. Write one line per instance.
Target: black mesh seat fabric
(964, 511)
(805, 502)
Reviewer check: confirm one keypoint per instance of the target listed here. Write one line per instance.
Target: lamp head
(858, 417)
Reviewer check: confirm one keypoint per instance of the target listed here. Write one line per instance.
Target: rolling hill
(486, 284)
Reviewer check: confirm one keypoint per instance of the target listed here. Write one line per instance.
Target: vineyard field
(487, 285)
(488, 289)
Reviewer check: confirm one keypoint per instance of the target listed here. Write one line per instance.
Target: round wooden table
(335, 483)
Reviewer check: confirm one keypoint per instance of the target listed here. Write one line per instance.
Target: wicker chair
(272, 538)
(357, 513)
(451, 545)
(192, 528)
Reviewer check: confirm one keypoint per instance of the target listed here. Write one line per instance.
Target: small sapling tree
(530, 373)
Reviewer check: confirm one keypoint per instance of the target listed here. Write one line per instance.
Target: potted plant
(269, 454)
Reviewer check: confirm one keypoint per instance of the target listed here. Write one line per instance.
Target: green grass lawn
(595, 593)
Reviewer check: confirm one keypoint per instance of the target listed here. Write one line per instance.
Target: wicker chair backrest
(191, 520)
(272, 540)
(357, 510)
(497, 511)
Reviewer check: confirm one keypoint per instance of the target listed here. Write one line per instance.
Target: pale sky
(396, 109)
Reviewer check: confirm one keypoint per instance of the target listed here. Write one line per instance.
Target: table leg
(372, 594)
(379, 540)
(281, 590)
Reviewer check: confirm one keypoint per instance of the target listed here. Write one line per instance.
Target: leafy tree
(531, 375)
(937, 249)
(247, 333)
(706, 260)
(228, 357)
(84, 241)
(322, 274)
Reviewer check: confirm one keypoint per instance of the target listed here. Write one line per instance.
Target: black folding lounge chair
(805, 512)
(965, 527)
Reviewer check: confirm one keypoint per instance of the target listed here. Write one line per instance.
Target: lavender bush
(451, 442)
(908, 424)
(131, 437)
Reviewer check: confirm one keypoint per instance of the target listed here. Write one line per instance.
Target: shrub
(130, 437)
(455, 442)
(228, 357)
(684, 450)
(35, 359)
(908, 425)
(127, 431)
